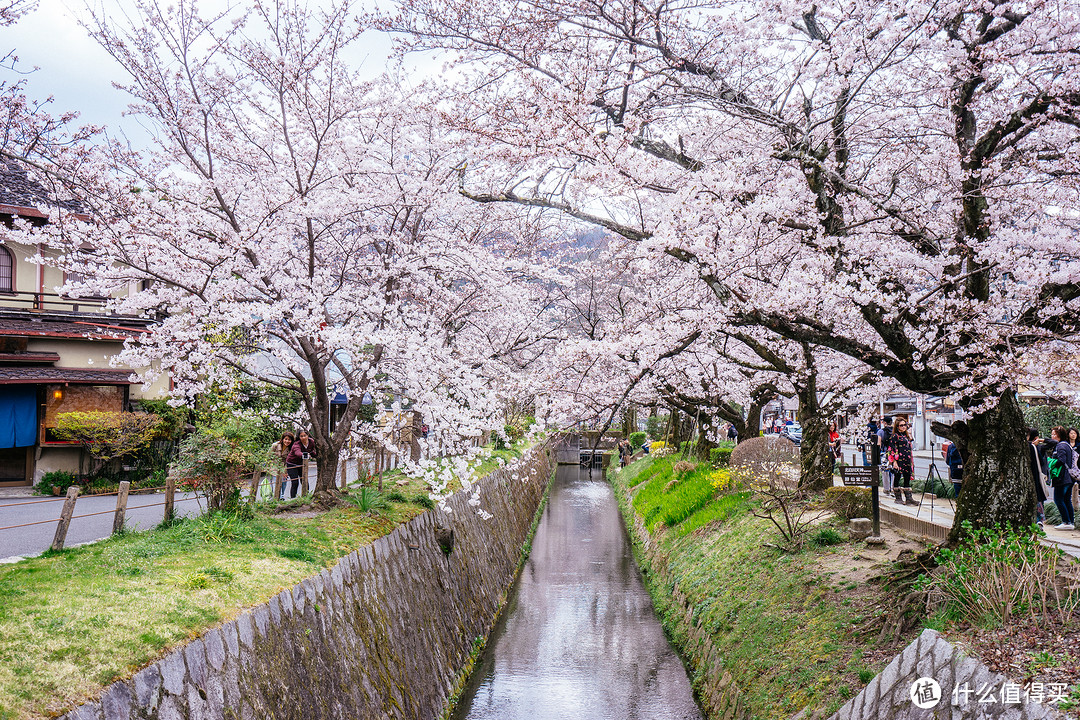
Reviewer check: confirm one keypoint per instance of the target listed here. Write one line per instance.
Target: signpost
(864, 477)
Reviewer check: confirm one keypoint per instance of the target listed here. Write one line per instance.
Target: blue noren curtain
(18, 415)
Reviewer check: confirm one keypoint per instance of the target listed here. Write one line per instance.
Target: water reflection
(578, 638)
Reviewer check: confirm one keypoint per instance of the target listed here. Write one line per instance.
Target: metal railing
(53, 302)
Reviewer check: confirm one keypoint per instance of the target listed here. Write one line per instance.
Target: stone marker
(860, 528)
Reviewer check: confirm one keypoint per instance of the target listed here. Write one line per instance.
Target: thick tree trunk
(998, 488)
(815, 459)
(326, 471)
(752, 426)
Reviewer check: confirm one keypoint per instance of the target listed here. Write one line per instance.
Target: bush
(997, 573)
(720, 455)
(58, 478)
(637, 439)
(826, 536)
(1044, 417)
(369, 500)
(214, 462)
(108, 435)
(769, 459)
(423, 501)
(849, 502)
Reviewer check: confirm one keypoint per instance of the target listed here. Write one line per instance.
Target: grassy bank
(74, 621)
(782, 623)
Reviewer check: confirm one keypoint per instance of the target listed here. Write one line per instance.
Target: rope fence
(267, 485)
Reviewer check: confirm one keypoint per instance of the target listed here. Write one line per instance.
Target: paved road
(143, 513)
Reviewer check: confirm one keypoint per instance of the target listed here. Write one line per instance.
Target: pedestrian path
(941, 511)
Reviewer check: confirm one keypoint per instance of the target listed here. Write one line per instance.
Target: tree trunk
(752, 427)
(326, 468)
(815, 458)
(998, 488)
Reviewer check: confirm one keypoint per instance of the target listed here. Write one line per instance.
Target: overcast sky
(79, 75)
(71, 67)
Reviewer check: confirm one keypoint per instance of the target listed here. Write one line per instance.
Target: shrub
(1044, 417)
(108, 435)
(58, 478)
(657, 445)
(423, 501)
(214, 462)
(826, 536)
(997, 573)
(770, 459)
(368, 500)
(720, 455)
(396, 496)
(723, 481)
(849, 502)
(637, 439)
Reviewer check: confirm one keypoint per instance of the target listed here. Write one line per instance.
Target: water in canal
(578, 638)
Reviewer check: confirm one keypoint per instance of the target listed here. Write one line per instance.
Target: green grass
(782, 631)
(71, 622)
(74, 621)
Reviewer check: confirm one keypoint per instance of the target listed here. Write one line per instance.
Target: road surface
(143, 513)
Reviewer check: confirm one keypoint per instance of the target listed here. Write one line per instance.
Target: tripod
(931, 483)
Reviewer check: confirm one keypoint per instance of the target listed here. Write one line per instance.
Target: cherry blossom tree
(895, 181)
(291, 226)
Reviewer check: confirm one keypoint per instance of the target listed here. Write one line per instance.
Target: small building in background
(54, 351)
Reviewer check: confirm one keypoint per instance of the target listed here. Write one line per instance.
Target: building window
(7, 271)
(78, 398)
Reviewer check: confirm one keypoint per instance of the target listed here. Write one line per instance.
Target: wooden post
(381, 458)
(65, 518)
(279, 480)
(170, 497)
(304, 478)
(343, 463)
(121, 507)
(256, 477)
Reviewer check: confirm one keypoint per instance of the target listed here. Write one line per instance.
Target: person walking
(902, 461)
(302, 449)
(280, 450)
(1058, 465)
(1039, 473)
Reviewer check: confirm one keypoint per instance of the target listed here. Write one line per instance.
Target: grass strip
(784, 633)
(75, 621)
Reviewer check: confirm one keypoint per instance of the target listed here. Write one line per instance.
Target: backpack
(1055, 471)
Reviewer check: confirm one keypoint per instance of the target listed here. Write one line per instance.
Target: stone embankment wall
(383, 634)
(714, 687)
(965, 689)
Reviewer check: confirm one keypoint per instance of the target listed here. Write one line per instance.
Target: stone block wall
(962, 689)
(383, 634)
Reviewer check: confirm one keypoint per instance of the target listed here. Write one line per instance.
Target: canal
(578, 637)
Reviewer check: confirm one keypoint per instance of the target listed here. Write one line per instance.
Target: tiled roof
(29, 357)
(20, 194)
(25, 327)
(46, 374)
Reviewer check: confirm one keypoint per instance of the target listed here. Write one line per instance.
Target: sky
(71, 67)
(79, 75)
